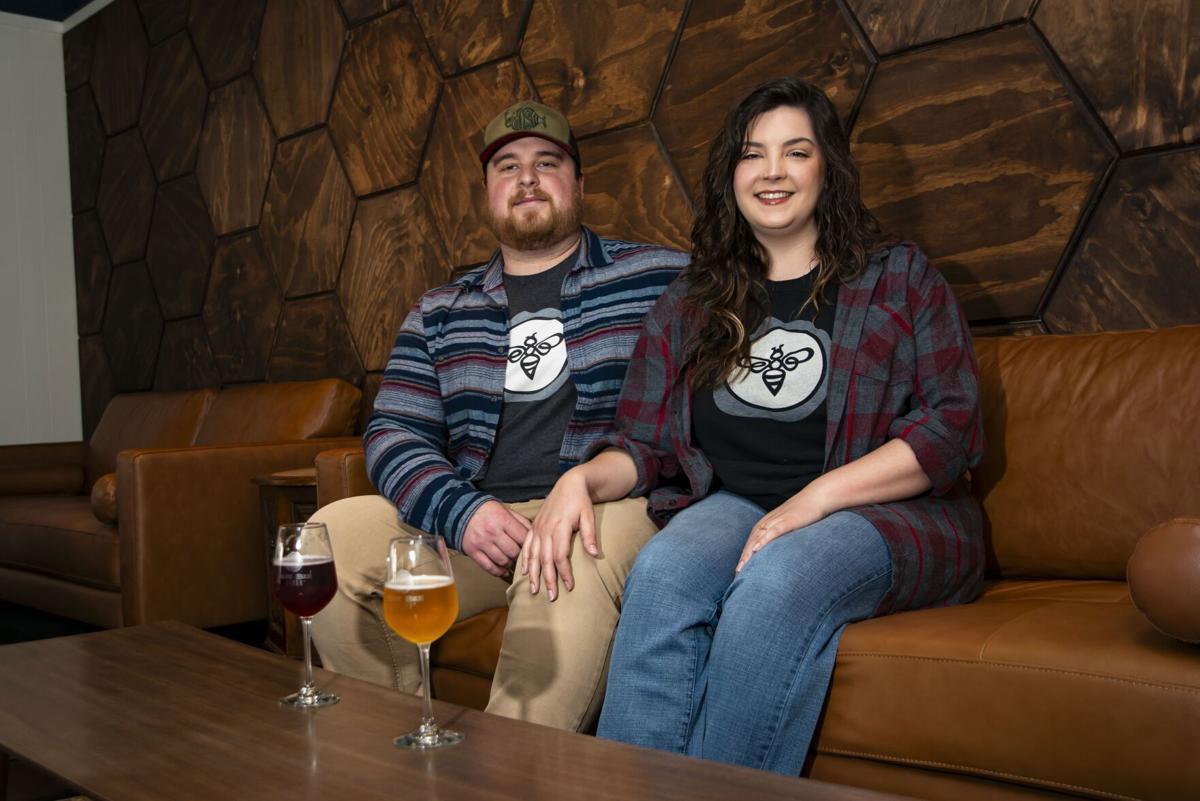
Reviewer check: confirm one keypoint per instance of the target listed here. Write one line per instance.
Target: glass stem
(306, 625)
(427, 705)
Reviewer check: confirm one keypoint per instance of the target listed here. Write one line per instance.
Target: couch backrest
(281, 411)
(145, 420)
(1091, 441)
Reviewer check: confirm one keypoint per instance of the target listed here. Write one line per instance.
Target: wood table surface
(167, 711)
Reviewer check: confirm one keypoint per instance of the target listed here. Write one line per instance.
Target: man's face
(534, 199)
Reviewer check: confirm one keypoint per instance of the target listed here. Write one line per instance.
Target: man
(499, 381)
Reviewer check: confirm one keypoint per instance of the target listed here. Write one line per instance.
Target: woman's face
(778, 179)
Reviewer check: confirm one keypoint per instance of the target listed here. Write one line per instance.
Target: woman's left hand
(800, 510)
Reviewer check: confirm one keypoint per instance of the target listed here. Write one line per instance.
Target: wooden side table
(289, 496)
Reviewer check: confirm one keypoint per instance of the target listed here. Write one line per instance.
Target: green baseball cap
(527, 118)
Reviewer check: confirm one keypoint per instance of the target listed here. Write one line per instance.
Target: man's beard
(541, 231)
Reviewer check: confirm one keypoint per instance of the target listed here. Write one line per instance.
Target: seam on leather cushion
(1012, 666)
(982, 771)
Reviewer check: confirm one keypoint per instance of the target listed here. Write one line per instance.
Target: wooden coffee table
(168, 711)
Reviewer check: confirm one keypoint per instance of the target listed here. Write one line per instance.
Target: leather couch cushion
(145, 420)
(281, 412)
(342, 473)
(63, 479)
(1091, 441)
(1164, 578)
(1058, 684)
(61, 537)
(104, 498)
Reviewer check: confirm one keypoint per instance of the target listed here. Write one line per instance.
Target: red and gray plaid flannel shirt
(902, 367)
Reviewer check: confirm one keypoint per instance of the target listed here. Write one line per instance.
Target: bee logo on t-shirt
(786, 376)
(537, 356)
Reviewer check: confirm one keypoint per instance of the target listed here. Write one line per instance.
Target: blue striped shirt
(439, 403)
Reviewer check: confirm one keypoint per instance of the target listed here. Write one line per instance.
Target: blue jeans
(735, 668)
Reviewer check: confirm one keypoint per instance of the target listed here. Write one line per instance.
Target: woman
(802, 407)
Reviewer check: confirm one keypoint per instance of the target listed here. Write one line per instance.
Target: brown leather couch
(157, 516)
(1052, 684)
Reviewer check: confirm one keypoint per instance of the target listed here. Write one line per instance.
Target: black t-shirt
(539, 395)
(763, 430)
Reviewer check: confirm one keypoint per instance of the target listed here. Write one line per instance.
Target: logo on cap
(523, 119)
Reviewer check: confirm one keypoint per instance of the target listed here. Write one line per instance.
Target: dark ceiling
(57, 10)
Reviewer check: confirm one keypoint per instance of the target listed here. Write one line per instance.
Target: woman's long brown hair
(726, 279)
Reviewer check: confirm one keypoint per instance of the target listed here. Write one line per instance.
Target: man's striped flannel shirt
(438, 407)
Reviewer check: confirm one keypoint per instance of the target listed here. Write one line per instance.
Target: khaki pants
(554, 657)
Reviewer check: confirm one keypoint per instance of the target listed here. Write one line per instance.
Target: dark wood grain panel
(1138, 265)
(599, 63)
(307, 214)
(370, 389)
(132, 328)
(85, 141)
(893, 25)
(384, 103)
(314, 342)
(96, 387)
(630, 191)
(164, 17)
(241, 308)
(92, 269)
(119, 65)
(226, 34)
(180, 249)
(235, 156)
(953, 147)
(1025, 328)
(394, 255)
(730, 46)
(466, 33)
(79, 44)
(185, 360)
(126, 198)
(173, 110)
(297, 60)
(359, 10)
(451, 180)
(1139, 64)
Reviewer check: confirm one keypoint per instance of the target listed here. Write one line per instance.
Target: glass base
(428, 736)
(308, 698)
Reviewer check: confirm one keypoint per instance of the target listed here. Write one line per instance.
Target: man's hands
(494, 537)
(547, 557)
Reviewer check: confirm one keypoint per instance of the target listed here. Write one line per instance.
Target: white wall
(39, 356)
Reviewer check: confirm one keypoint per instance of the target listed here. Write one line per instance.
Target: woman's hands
(547, 553)
(802, 509)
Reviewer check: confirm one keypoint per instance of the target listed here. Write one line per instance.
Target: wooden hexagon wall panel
(394, 255)
(180, 249)
(241, 308)
(314, 342)
(359, 10)
(163, 17)
(1139, 63)
(629, 184)
(1139, 263)
(185, 359)
(298, 53)
(755, 39)
(235, 156)
(96, 385)
(599, 63)
(132, 328)
(953, 154)
(85, 139)
(465, 34)
(384, 103)
(126, 196)
(894, 25)
(174, 109)
(79, 45)
(92, 269)
(452, 178)
(307, 214)
(225, 33)
(119, 66)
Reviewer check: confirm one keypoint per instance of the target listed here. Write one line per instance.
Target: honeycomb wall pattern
(262, 188)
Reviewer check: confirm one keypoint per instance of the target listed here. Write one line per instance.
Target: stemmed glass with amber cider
(420, 603)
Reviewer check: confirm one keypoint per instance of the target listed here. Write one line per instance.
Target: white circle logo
(786, 376)
(536, 355)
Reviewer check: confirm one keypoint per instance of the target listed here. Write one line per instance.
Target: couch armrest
(51, 468)
(191, 536)
(342, 473)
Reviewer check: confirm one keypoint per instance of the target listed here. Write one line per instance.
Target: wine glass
(304, 580)
(420, 602)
